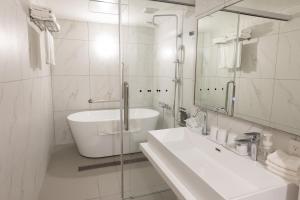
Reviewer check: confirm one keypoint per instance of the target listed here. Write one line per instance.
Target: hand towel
(43, 16)
(50, 54)
(221, 56)
(282, 170)
(230, 54)
(284, 160)
(285, 176)
(233, 53)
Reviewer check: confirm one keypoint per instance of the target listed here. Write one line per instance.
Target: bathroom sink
(197, 168)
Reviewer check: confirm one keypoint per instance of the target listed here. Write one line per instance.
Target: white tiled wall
(88, 67)
(268, 80)
(26, 117)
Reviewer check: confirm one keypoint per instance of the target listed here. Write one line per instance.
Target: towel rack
(102, 101)
(51, 26)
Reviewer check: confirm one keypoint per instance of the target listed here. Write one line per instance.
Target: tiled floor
(64, 182)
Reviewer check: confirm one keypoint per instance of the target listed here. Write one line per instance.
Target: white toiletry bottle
(254, 151)
(267, 145)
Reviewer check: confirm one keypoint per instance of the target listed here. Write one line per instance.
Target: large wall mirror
(253, 45)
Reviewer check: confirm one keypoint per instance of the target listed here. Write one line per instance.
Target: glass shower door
(149, 40)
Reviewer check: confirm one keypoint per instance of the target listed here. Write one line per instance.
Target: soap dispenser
(267, 147)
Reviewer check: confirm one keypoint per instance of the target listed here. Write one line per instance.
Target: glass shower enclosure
(150, 40)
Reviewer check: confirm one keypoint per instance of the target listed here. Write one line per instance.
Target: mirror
(216, 61)
(268, 78)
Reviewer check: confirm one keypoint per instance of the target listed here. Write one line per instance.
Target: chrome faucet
(204, 112)
(254, 141)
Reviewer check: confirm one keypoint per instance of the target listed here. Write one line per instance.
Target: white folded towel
(282, 170)
(230, 55)
(285, 176)
(42, 15)
(285, 161)
(50, 59)
(40, 8)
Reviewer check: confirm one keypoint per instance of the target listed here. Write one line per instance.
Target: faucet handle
(255, 136)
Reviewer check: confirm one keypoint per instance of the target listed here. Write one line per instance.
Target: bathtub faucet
(165, 106)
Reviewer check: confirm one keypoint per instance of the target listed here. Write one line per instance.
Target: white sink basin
(197, 168)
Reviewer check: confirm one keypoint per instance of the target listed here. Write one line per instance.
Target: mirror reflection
(266, 72)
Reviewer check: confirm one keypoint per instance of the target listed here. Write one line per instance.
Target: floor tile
(64, 182)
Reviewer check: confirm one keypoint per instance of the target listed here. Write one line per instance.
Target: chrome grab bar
(126, 105)
(232, 98)
(101, 101)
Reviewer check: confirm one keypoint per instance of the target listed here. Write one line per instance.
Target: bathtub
(97, 133)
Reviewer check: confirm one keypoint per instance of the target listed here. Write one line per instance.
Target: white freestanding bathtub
(97, 133)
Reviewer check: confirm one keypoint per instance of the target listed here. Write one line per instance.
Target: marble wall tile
(96, 31)
(294, 24)
(164, 58)
(189, 42)
(286, 107)
(209, 62)
(166, 87)
(254, 97)
(104, 59)
(288, 60)
(63, 133)
(72, 30)
(139, 59)
(72, 57)
(26, 109)
(10, 52)
(105, 87)
(188, 93)
(141, 35)
(70, 92)
(11, 125)
(41, 130)
(259, 57)
(138, 91)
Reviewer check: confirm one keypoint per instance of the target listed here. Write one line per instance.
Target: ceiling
(279, 6)
(132, 11)
(225, 20)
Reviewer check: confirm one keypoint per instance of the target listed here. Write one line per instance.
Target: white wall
(26, 115)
